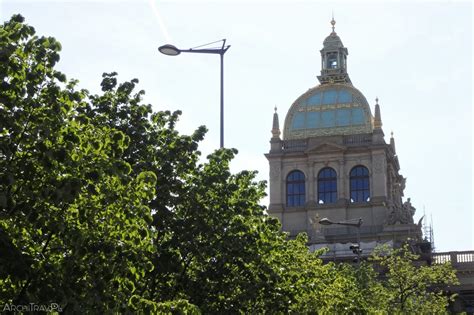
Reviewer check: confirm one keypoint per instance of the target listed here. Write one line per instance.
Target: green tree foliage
(214, 244)
(408, 286)
(105, 207)
(74, 220)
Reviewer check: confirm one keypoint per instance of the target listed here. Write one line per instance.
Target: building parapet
(459, 259)
(357, 139)
(295, 145)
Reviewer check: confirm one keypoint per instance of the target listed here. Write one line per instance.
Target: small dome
(333, 41)
(329, 109)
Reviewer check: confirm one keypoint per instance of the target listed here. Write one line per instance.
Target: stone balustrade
(457, 258)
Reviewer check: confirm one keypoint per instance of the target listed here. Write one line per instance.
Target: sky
(415, 56)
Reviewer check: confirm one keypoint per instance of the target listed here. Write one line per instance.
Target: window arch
(327, 185)
(295, 189)
(359, 181)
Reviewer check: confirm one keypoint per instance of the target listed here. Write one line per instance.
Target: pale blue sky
(415, 56)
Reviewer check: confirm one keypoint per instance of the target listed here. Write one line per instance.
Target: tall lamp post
(171, 50)
(355, 248)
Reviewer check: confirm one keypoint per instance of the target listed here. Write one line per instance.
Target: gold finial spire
(378, 117)
(276, 125)
(392, 142)
(333, 22)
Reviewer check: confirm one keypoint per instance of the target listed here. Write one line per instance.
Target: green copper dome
(328, 109)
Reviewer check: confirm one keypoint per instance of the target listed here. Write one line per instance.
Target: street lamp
(355, 248)
(171, 50)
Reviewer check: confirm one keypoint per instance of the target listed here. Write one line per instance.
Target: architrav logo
(32, 307)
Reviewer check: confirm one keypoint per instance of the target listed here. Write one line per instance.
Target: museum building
(334, 166)
(334, 177)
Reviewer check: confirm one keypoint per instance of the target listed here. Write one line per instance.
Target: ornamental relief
(319, 108)
(332, 131)
(379, 164)
(275, 172)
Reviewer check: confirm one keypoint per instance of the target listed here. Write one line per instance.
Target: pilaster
(379, 175)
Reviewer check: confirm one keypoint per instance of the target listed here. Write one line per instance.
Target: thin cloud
(160, 20)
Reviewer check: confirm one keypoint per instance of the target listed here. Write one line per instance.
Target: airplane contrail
(160, 21)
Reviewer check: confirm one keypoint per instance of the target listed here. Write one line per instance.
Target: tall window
(295, 189)
(332, 61)
(327, 185)
(359, 178)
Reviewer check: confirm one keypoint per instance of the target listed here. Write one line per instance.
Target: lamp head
(354, 247)
(325, 221)
(169, 50)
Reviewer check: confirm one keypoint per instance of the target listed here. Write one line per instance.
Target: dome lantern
(333, 59)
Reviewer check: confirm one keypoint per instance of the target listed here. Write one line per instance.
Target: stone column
(342, 181)
(310, 184)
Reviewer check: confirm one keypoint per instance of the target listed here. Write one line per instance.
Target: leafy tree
(392, 281)
(409, 286)
(214, 243)
(74, 221)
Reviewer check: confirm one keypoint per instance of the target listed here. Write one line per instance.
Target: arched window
(332, 61)
(327, 185)
(359, 178)
(295, 189)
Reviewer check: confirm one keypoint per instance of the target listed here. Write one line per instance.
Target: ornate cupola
(333, 59)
